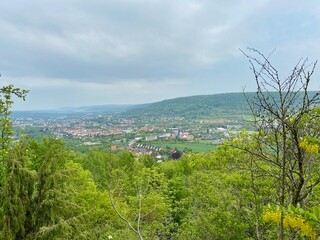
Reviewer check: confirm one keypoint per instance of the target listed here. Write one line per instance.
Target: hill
(215, 106)
(227, 105)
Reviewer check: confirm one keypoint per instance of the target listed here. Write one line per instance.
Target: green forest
(259, 185)
(227, 105)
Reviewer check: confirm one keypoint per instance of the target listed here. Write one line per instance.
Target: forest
(226, 105)
(260, 185)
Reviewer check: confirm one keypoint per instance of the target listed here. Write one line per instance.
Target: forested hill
(217, 105)
(225, 105)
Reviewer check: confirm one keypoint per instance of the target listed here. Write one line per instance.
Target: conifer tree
(12, 170)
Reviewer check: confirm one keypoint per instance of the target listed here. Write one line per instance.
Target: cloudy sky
(92, 52)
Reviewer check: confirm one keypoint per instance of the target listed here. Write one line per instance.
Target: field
(195, 146)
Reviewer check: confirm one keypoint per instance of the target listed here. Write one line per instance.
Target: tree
(44, 195)
(176, 154)
(13, 172)
(18, 192)
(137, 194)
(283, 111)
(211, 207)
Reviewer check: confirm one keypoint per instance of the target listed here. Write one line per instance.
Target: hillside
(225, 105)
(213, 106)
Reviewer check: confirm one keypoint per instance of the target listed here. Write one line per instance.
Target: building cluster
(138, 135)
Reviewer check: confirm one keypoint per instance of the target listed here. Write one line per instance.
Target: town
(154, 136)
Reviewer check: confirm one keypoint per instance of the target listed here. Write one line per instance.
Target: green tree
(18, 192)
(137, 193)
(63, 193)
(213, 207)
(13, 170)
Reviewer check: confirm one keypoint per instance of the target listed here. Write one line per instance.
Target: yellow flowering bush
(309, 147)
(291, 221)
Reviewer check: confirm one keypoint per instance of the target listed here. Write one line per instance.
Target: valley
(188, 125)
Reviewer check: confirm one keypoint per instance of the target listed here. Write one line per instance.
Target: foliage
(299, 221)
(232, 105)
(283, 112)
(50, 192)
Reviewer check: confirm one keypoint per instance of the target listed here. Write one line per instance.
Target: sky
(96, 52)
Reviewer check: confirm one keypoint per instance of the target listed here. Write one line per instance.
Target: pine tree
(13, 170)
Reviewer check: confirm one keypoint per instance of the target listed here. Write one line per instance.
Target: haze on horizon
(79, 53)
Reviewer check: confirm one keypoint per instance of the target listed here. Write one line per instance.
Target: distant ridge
(75, 111)
(227, 105)
(109, 108)
(224, 105)
(215, 105)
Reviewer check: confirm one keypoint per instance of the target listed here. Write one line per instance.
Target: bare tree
(137, 229)
(284, 115)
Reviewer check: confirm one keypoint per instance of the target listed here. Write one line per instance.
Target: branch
(136, 231)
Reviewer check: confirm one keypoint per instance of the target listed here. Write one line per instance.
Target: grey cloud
(116, 41)
(103, 37)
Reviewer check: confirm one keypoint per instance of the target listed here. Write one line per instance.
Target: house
(186, 136)
(151, 138)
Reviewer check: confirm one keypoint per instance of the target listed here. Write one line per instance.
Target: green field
(196, 147)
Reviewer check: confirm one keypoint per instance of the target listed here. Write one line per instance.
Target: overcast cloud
(81, 52)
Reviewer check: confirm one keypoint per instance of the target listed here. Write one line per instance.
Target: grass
(196, 147)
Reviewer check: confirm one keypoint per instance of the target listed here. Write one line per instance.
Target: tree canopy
(258, 185)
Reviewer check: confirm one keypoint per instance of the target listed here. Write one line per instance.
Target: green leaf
(316, 212)
(291, 208)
